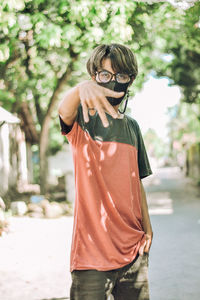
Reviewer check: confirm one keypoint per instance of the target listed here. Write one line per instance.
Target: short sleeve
(143, 161)
(65, 129)
(71, 132)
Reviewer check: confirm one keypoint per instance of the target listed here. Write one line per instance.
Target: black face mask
(117, 87)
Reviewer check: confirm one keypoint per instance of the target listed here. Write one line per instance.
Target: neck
(116, 107)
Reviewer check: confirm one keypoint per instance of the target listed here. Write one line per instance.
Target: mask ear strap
(126, 102)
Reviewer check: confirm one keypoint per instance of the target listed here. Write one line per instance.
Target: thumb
(141, 249)
(148, 243)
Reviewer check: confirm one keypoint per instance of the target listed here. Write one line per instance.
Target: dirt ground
(34, 259)
(34, 255)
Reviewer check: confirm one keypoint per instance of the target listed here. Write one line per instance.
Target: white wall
(4, 158)
(13, 159)
(61, 164)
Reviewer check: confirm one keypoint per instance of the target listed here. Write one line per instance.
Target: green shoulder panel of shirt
(125, 130)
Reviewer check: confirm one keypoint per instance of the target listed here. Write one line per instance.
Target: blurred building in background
(61, 166)
(16, 137)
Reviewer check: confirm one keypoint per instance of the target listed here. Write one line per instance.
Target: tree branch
(60, 83)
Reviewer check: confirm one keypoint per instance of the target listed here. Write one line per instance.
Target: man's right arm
(90, 95)
(69, 106)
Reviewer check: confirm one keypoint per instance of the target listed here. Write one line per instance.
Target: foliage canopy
(44, 45)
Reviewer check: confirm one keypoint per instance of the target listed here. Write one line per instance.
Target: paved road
(175, 253)
(34, 256)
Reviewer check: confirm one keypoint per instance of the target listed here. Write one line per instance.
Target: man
(112, 231)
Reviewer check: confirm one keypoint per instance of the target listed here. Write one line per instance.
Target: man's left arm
(146, 223)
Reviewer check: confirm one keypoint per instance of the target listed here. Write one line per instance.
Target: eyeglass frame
(114, 75)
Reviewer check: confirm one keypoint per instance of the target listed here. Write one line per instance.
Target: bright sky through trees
(149, 107)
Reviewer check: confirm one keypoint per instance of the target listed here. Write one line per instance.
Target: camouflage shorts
(126, 283)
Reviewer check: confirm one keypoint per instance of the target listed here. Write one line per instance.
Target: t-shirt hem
(91, 267)
(106, 268)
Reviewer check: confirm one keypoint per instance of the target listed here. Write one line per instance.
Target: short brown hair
(122, 59)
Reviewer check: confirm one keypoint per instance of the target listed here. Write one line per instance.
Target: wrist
(149, 233)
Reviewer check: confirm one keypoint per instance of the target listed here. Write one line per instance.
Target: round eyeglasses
(106, 76)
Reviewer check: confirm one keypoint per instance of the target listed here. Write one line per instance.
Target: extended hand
(145, 247)
(93, 96)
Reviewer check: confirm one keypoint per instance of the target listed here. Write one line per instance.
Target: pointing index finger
(102, 115)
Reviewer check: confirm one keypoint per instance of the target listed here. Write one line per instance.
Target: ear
(131, 81)
(93, 77)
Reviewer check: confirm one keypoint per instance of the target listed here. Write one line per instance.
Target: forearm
(69, 105)
(146, 223)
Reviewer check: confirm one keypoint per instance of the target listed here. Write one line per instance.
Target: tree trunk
(43, 147)
(44, 135)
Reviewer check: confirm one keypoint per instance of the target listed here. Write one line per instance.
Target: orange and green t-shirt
(108, 163)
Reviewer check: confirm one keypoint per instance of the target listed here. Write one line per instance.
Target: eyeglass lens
(105, 76)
